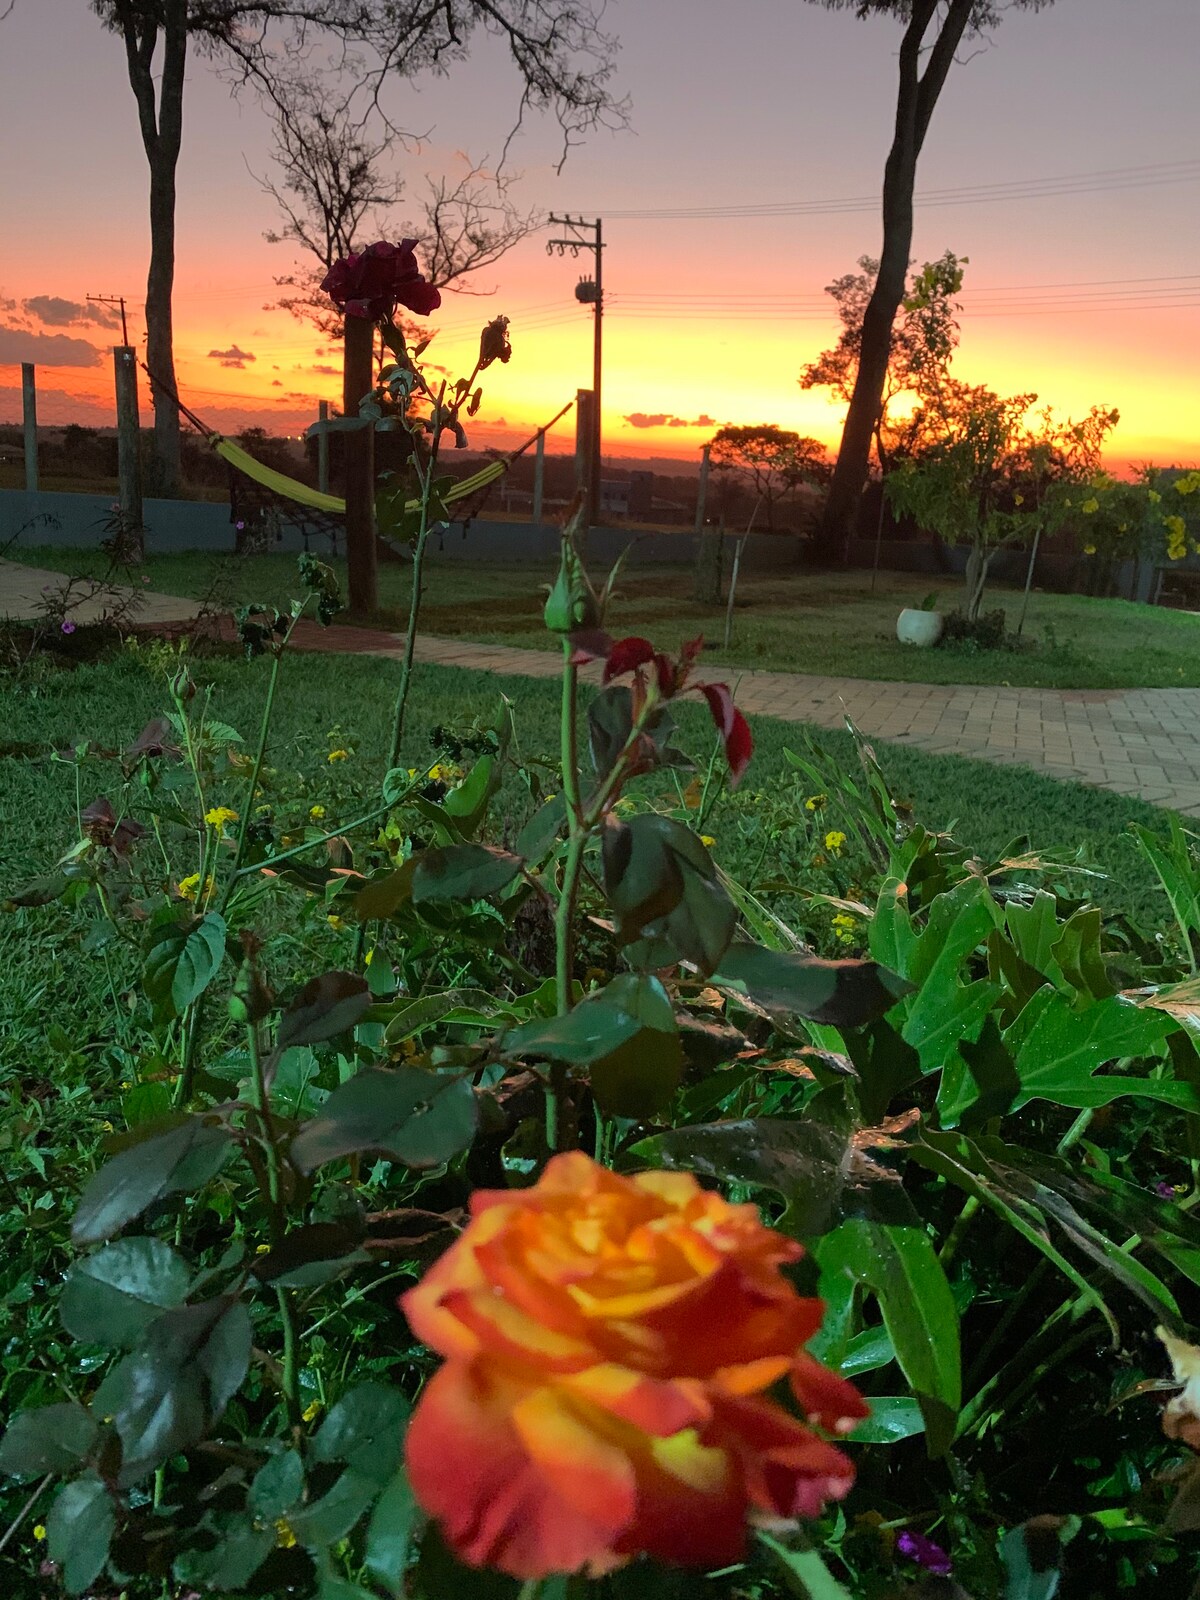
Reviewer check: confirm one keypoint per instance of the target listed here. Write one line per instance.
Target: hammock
(330, 505)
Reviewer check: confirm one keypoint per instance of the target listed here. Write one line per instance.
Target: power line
(1011, 189)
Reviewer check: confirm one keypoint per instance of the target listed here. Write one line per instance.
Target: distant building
(614, 497)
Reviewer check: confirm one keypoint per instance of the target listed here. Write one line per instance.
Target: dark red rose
(374, 281)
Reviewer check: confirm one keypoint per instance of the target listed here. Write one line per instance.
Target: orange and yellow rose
(609, 1342)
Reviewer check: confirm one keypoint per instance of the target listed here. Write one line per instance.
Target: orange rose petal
(691, 1504)
(470, 1471)
(752, 1377)
(653, 1406)
(789, 1471)
(503, 1329)
(826, 1398)
(581, 1466)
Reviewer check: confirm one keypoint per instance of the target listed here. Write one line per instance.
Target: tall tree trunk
(916, 97)
(160, 349)
(160, 117)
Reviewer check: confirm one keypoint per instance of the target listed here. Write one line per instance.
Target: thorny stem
(277, 1223)
(564, 918)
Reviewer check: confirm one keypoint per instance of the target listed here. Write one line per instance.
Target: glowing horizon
(1085, 292)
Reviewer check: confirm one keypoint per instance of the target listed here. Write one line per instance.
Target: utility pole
(588, 291)
(129, 459)
(113, 300)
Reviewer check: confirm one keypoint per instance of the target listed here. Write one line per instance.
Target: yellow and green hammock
(278, 483)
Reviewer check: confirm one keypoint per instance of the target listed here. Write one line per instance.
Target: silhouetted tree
(335, 191)
(933, 31)
(565, 63)
(924, 338)
(774, 460)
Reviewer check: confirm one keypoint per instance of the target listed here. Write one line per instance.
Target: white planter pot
(922, 628)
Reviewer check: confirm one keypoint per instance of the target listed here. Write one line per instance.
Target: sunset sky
(1076, 134)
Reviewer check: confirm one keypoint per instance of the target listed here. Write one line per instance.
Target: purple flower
(1165, 1191)
(925, 1553)
(239, 526)
(68, 626)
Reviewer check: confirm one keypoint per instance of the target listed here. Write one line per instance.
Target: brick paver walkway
(1143, 742)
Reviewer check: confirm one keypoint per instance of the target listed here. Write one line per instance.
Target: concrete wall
(76, 521)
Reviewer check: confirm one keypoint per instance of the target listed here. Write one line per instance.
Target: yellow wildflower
(1090, 506)
(39, 1531)
(189, 887)
(815, 802)
(1176, 537)
(1155, 497)
(844, 926)
(284, 1537)
(311, 1410)
(338, 755)
(1188, 484)
(335, 923)
(708, 840)
(1019, 499)
(219, 817)
(834, 840)
(261, 1249)
(316, 813)
(1089, 549)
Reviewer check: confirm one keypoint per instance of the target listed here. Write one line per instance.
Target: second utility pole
(588, 291)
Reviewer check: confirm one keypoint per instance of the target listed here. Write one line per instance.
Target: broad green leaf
(239, 1549)
(885, 1063)
(944, 1008)
(180, 966)
(893, 1417)
(389, 1535)
(79, 1530)
(45, 1439)
(824, 1173)
(867, 1352)
(109, 1297)
(467, 802)
(177, 1161)
(1178, 875)
(277, 1487)
(176, 1382)
(383, 896)
(900, 1265)
(462, 872)
(1077, 954)
(324, 1007)
(847, 994)
(1057, 1050)
(542, 829)
(365, 1429)
(419, 1118)
(406, 1017)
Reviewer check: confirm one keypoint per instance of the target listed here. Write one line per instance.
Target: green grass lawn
(347, 700)
(826, 623)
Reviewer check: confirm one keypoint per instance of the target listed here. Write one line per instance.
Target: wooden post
(129, 458)
(29, 408)
(358, 381)
(323, 449)
(709, 545)
(585, 445)
(539, 475)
